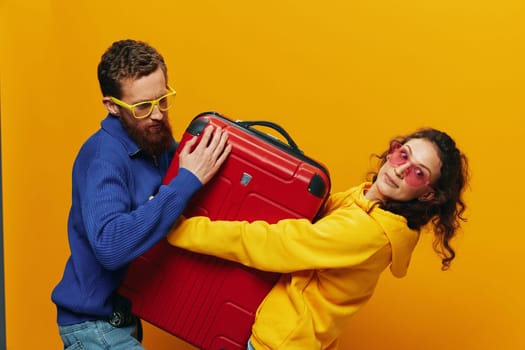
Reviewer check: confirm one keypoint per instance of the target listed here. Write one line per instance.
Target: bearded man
(120, 208)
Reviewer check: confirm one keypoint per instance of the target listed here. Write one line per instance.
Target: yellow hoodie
(330, 268)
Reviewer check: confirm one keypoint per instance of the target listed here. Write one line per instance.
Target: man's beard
(152, 142)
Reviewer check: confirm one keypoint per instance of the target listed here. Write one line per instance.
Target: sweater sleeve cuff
(185, 182)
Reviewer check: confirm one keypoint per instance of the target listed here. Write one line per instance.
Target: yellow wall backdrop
(342, 76)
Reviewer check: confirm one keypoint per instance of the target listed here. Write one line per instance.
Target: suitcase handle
(276, 127)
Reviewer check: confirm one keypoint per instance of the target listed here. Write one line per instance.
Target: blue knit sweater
(119, 210)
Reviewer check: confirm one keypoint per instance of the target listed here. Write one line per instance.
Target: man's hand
(207, 157)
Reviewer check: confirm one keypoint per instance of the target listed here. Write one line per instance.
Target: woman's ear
(110, 106)
(427, 196)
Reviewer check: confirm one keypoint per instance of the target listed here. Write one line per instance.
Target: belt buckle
(121, 315)
(119, 319)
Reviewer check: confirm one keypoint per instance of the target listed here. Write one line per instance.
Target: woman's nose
(401, 170)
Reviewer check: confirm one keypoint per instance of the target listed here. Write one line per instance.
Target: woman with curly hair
(330, 268)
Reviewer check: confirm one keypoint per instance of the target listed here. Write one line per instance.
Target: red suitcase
(210, 302)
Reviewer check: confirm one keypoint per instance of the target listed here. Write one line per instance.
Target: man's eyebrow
(166, 91)
(418, 163)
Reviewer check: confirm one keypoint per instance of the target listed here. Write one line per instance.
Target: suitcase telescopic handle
(276, 127)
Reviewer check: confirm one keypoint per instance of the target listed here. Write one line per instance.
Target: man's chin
(158, 144)
(152, 140)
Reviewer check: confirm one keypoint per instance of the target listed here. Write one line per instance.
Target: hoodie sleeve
(346, 237)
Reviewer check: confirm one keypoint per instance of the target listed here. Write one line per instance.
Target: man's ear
(425, 197)
(110, 106)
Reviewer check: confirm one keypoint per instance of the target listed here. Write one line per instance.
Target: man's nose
(156, 113)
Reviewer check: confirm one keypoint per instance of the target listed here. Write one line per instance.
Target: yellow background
(342, 77)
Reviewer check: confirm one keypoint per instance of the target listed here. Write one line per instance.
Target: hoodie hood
(402, 239)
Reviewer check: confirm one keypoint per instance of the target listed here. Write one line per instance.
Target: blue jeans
(99, 335)
(250, 346)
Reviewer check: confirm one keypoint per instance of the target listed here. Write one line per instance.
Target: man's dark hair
(127, 59)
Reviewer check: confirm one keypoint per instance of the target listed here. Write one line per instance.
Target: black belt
(119, 319)
(121, 315)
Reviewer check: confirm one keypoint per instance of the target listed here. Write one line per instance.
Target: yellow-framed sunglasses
(144, 109)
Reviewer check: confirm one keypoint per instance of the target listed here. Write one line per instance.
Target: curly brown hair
(445, 211)
(127, 59)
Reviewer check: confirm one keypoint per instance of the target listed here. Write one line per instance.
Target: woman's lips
(389, 181)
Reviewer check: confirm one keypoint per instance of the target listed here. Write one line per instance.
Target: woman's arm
(346, 237)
